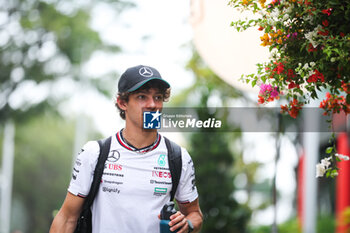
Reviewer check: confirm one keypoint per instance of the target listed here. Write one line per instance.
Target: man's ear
(121, 103)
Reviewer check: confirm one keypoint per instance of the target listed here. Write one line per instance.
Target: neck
(139, 138)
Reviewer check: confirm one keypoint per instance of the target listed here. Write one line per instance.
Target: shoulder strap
(104, 151)
(175, 164)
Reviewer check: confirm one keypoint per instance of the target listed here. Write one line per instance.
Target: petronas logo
(161, 160)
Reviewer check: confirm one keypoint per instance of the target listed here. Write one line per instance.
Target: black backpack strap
(84, 222)
(105, 145)
(175, 164)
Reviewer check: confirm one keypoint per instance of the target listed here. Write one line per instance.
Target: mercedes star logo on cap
(146, 72)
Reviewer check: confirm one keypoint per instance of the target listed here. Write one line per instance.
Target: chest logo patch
(113, 156)
(161, 160)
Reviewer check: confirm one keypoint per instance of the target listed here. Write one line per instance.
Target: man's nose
(151, 104)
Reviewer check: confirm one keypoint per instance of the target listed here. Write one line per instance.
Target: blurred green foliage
(42, 166)
(43, 42)
(325, 224)
(214, 178)
(42, 170)
(213, 154)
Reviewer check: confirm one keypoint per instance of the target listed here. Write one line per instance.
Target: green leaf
(313, 94)
(334, 173)
(253, 83)
(329, 150)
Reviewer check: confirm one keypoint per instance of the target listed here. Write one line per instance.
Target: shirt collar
(130, 147)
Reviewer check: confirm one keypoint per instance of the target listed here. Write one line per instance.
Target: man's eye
(141, 97)
(159, 97)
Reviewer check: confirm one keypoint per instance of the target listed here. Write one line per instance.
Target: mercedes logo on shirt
(146, 72)
(113, 156)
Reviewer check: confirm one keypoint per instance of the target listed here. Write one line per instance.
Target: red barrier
(343, 183)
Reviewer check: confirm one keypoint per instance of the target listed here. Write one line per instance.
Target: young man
(136, 181)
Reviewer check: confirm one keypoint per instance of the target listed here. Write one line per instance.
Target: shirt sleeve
(187, 190)
(83, 169)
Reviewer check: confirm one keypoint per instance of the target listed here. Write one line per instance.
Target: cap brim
(140, 84)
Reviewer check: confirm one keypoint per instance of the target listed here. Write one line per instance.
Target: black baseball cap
(135, 77)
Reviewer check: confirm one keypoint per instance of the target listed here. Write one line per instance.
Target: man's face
(143, 100)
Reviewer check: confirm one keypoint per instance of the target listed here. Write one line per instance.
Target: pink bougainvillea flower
(274, 93)
(267, 93)
(274, 2)
(266, 89)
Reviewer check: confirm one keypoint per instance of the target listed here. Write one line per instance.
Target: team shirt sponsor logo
(161, 174)
(193, 181)
(112, 182)
(159, 182)
(193, 184)
(161, 160)
(112, 170)
(77, 162)
(111, 164)
(158, 191)
(161, 168)
(75, 168)
(110, 190)
(115, 167)
(113, 174)
(81, 151)
(113, 156)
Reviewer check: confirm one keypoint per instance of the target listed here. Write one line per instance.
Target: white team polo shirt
(134, 186)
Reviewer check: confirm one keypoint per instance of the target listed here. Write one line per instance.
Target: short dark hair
(124, 96)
